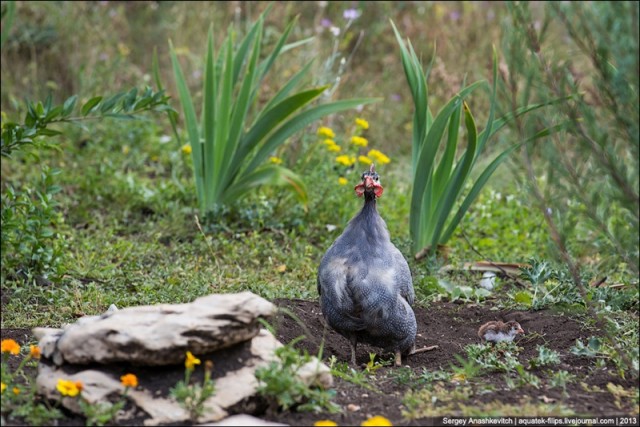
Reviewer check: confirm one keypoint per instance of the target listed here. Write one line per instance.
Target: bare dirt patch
(451, 327)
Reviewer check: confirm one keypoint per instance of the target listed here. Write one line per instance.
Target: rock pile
(151, 342)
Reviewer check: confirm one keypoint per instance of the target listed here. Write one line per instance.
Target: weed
(500, 358)
(280, 385)
(560, 379)
(192, 396)
(342, 370)
(546, 357)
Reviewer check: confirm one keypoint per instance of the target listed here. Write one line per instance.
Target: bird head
(514, 328)
(370, 183)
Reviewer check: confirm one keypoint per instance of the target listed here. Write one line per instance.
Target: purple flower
(351, 14)
(396, 97)
(326, 23)
(454, 15)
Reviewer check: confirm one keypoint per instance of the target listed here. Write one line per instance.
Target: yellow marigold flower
(342, 181)
(325, 131)
(34, 351)
(364, 159)
(3, 387)
(16, 391)
(191, 361)
(69, 388)
(186, 148)
(359, 141)
(129, 380)
(10, 346)
(378, 156)
(362, 123)
(327, 423)
(377, 421)
(275, 160)
(346, 160)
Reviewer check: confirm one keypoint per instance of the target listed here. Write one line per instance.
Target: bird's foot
(422, 350)
(398, 359)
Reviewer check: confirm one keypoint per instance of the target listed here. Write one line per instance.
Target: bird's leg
(398, 358)
(353, 342)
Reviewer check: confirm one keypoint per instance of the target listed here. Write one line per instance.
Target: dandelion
(365, 160)
(129, 380)
(69, 388)
(16, 391)
(342, 181)
(327, 423)
(34, 351)
(362, 123)
(3, 387)
(331, 145)
(378, 156)
(326, 132)
(346, 160)
(10, 346)
(186, 148)
(275, 160)
(359, 141)
(191, 361)
(377, 421)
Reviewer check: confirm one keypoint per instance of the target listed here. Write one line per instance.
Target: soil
(449, 326)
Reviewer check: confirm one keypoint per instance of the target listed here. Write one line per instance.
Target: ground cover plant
(109, 212)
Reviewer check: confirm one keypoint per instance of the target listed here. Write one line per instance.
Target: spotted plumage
(364, 282)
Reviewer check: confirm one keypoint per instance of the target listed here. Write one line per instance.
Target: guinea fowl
(365, 283)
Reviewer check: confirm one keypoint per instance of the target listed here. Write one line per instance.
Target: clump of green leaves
(30, 244)
(590, 350)
(560, 379)
(545, 357)
(280, 384)
(501, 357)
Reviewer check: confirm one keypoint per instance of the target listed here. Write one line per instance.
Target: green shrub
(438, 184)
(236, 135)
(585, 178)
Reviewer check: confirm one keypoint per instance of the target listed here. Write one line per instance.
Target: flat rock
(159, 334)
(243, 420)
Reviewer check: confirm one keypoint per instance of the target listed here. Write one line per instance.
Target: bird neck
(369, 203)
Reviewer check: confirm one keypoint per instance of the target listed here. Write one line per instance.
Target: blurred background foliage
(128, 183)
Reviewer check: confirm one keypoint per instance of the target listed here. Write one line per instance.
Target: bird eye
(376, 178)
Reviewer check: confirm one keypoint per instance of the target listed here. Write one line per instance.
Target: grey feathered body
(365, 285)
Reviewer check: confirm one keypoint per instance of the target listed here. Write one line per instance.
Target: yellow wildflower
(126, 149)
(334, 148)
(34, 351)
(191, 361)
(322, 423)
(325, 131)
(364, 159)
(359, 141)
(129, 380)
(186, 148)
(3, 387)
(346, 160)
(362, 123)
(379, 157)
(275, 160)
(123, 49)
(16, 391)
(69, 388)
(10, 346)
(342, 181)
(377, 421)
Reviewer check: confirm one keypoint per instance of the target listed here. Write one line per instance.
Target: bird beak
(520, 331)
